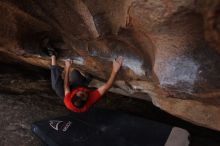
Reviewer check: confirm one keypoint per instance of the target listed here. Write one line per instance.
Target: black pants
(76, 80)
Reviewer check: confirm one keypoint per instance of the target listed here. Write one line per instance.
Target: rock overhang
(170, 47)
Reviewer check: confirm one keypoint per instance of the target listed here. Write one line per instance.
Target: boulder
(171, 49)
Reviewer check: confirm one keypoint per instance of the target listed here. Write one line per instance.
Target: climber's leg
(53, 60)
(56, 78)
(77, 79)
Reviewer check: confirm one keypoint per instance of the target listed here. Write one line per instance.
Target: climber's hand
(117, 64)
(68, 63)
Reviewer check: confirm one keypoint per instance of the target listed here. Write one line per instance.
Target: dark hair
(77, 101)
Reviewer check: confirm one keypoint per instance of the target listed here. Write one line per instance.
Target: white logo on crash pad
(66, 127)
(55, 124)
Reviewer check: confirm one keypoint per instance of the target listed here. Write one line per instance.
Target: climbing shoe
(48, 47)
(51, 51)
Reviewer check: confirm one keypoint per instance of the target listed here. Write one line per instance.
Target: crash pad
(101, 127)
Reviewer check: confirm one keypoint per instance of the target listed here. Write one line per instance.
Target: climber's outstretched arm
(66, 76)
(116, 67)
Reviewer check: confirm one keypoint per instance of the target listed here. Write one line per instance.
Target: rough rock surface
(171, 48)
(26, 97)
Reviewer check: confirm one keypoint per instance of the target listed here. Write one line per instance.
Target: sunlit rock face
(171, 48)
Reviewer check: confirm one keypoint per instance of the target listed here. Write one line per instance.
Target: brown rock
(170, 48)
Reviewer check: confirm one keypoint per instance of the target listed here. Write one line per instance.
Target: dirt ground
(19, 111)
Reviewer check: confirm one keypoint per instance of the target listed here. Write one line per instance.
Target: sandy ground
(17, 114)
(19, 111)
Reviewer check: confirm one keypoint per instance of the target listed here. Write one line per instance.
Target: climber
(74, 88)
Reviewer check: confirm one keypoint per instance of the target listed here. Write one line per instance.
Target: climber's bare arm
(116, 66)
(66, 76)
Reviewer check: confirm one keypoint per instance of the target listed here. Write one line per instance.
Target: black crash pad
(99, 127)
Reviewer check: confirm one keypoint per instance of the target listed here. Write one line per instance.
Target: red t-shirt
(94, 95)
